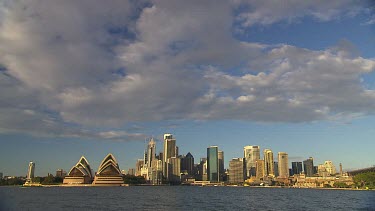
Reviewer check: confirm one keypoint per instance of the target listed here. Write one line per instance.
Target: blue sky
(89, 79)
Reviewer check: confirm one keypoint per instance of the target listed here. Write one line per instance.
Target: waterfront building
(268, 163)
(60, 173)
(138, 167)
(276, 168)
(170, 150)
(174, 169)
(297, 168)
(131, 171)
(79, 174)
(283, 165)
(157, 172)
(213, 164)
(308, 167)
(201, 173)
(251, 155)
(260, 169)
(187, 164)
(108, 173)
(220, 156)
(330, 168)
(322, 171)
(237, 171)
(30, 173)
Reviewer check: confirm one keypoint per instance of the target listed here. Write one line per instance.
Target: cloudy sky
(89, 78)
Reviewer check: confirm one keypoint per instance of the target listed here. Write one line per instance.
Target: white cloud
(74, 65)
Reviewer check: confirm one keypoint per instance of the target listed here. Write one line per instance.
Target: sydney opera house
(108, 174)
(79, 174)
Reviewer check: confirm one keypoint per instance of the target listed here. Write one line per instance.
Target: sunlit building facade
(268, 163)
(108, 173)
(213, 164)
(283, 165)
(251, 155)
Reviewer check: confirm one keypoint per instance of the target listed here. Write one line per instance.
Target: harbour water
(182, 198)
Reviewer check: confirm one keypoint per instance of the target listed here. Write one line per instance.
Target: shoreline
(143, 185)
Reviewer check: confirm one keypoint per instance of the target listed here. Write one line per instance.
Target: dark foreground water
(182, 198)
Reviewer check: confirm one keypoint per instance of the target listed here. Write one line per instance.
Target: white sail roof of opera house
(109, 167)
(82, 168)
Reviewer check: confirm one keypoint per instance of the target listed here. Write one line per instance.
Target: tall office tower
(220, 155)
(1, 175)
(297, 167)
(169, 151)
(30, 172)
(331, 169)
(174, 169)
(322, 172)
(157, 172)
(151, 149)
(201, 174)
(276, 168)
(187, 164)
(308, 167)
(268, 162)
(138, 167)
(237, 171)
(212, 164)
(251, 155)
(283, 165)
(260, 169)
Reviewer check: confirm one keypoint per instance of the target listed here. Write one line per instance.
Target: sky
(91, 78)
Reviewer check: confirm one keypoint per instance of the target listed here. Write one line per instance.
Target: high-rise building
(138, 167)
(221, 165)
(1, 175)
(308, 167)
(157, 172)
(174, 169)
(283, 165)
(268, 163)
(60, 173)
(330, 168)
(151, 148)
(237, 171)
(251, 155)
(187, 164)
(260, 169)
(213, 164)
(30, 172)
(276, 168)
(169, 151)
(131, 171)
(297, 167)
(322, 171)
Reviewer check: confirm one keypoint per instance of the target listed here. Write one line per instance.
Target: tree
(364, 180)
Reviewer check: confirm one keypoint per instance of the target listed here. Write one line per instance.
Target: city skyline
(88, 78)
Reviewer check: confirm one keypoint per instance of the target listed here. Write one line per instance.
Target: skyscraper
(268, 162)
(169, 151)
(308, 167)
(237, 171)
(276, 168)
(283, 165)
(331, 169)
(174, 169)
(251, 155)
(221, 165)
(260, 169)
(151, 148)
(187, 164)
(212, 164)
(30, 172)
(297, 167)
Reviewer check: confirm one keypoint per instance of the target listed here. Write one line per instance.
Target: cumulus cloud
(69, 68)
(260, 12)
